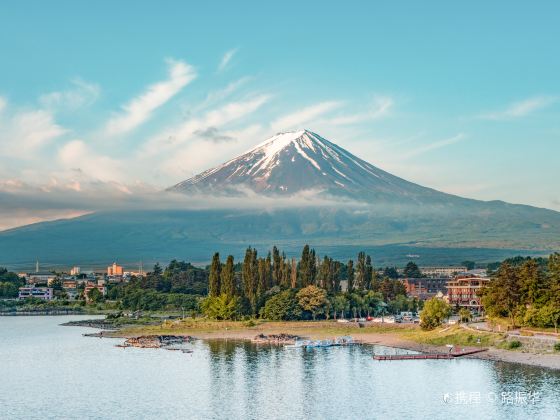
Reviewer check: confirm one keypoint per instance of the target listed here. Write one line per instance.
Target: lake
(50, 371)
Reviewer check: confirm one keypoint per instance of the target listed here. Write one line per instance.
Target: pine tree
(277, 266)
(312, 267)
(337, 266)
(305, 267)
(293, 274)
(350, 271)
(368, 273)
(249, 277)
(214, 277)
(227, 278)
(360, 279)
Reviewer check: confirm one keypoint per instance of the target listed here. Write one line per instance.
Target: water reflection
(62, 371)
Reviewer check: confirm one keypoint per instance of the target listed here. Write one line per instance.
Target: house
(90, 287)
(115, 270)
(464, 292)
(425, 288)
(42, 277)
(442, 271)
(45, 293)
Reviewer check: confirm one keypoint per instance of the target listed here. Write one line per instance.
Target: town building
(442, 271)
(90, 287)
(74, 271)
(45, 293)
(464, 292)
(425, 288)
(115, 270)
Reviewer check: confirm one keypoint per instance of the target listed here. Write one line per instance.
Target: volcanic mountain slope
(292, 162)
(380, 210)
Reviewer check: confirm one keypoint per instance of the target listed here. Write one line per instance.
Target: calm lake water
(50, 371)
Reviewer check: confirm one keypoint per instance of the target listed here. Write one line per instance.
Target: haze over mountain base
(349, 205)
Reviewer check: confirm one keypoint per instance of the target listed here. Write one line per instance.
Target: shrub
(434, 313)
(514, 344)
(557, 346)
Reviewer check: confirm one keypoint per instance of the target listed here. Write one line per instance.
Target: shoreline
(388, 336)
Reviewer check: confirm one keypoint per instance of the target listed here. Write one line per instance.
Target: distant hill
(383, 213)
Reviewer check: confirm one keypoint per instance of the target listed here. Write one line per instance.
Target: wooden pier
(424, 356)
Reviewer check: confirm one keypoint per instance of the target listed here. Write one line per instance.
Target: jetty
(424, 356)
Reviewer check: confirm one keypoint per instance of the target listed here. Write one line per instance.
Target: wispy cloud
(306, 115)
(213, 134)
(81, 94)
(24, 132)
(176, 136)
(434, 145)
(226, 59)
(76, 154)
(521, 109)
(140, 109)
(216, 96)
(380, 107)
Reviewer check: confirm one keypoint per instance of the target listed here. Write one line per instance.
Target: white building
(442, 271)
(45, 293)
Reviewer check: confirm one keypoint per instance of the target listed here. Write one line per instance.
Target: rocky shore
(169, 342)
(279, 339)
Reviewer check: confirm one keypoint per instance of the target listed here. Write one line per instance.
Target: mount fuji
(361, 207)
(292, 162)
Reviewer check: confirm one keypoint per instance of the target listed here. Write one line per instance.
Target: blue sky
(129, 97)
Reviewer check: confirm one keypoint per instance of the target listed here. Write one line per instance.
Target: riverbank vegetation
(526, 291)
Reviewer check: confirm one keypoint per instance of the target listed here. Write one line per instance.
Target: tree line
(526, 291)
(276, 287)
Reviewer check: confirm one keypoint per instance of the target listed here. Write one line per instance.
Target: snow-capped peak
(294, 161)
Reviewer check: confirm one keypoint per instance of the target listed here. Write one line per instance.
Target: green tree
(502, 297)
(227, 277)
(469, 265)
(340, 305)
(222, 307)
(350, 274)
(304, 272)
(214, 277)
(282, 307)
(250, 278)
(434, 313)
(312, 299)
(412, 271)
(465, 315)
(95, 296)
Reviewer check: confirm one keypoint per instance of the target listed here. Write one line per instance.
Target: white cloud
(303, 116)
(226, 59)
(76, 154)
(27, 131)
(380, 107)
(434, 145)
(82, 94)
(218, 95)
(176, 136)
(140, 109)
(3, 104)
(521, 108)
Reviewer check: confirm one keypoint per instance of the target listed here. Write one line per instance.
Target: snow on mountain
(295, 161)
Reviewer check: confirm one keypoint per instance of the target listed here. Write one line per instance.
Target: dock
(424, 356)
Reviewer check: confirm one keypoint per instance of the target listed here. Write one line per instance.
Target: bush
(281, 307)
(557, 347)
(434, 313)
(514, 344)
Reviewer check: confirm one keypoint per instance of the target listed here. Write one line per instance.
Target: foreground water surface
(50, 371)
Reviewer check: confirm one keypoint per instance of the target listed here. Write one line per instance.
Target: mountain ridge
(380, 210)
